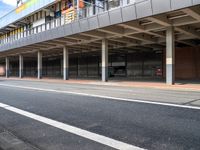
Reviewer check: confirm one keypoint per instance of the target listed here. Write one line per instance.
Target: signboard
(69, 15)
(19, 2)
(25, 5)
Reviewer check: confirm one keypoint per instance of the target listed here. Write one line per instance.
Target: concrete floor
(148, 126)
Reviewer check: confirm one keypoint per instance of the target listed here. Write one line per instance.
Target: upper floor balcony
(74, 13)
(24, 10)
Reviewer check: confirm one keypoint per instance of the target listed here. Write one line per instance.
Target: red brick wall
(187, 63)
(198, 61)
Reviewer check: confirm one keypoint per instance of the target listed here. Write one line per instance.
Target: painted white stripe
(74, 130)
(102, 96)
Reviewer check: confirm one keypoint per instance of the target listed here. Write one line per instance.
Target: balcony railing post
(45, 28)
(77, 9)
(55, 25)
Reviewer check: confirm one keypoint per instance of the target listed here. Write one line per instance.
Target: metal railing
(68, 17)
(28, 7)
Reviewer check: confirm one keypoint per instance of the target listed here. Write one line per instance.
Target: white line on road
(102, 96)
(74, 130)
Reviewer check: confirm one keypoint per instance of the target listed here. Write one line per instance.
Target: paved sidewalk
(180, 86)
(182, 94)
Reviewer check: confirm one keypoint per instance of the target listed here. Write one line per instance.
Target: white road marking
(102, 96)
(74, 130)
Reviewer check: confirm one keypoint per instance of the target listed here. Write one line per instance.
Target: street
(43, 118)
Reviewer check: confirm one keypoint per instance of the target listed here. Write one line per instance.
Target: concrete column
(78, 9)
(104, 56)
(7, 67)
(65, 63)
(170, 56)
(21, 66)
(39, 64)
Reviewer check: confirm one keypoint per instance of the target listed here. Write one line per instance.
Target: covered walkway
(163, 47)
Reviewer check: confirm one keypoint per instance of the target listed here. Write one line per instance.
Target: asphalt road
(147, 126)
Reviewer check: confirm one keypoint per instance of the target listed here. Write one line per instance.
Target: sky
(6, 6)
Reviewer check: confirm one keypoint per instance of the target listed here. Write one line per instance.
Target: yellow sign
(26, 5)
(69, 14)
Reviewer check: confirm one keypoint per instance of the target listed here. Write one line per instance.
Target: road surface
(55, 120)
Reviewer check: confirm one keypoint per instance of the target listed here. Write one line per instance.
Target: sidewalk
(180, 93)
(180, 86)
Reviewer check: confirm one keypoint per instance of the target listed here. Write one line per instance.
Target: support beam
(189, 43)
(95, 34)
(143, 29)
(164, 21)
(39, 59)
(21, 66)
(7, 67)
(104, 60)
(188, 30)
(143, 37)
(116, 30)
(170, 56)
(65, 63)
(194, 13)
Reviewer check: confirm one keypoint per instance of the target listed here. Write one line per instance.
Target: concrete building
(112, 39)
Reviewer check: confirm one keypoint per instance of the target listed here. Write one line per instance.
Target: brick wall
(187, 63)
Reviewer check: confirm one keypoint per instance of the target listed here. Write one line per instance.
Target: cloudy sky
(6, 6)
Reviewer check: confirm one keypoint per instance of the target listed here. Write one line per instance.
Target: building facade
(112, 39)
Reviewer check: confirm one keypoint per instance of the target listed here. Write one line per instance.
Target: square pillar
(170, 56)
(104, 56)
(7, 67)
(21, 66)
(39, 60)
(65, 63)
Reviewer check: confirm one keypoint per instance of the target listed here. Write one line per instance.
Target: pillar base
(21, 66)
(21, 74)
(170, 79)
(66, 74)
(39, 65)
(40, 74)
(7, 74)
(104, 74)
